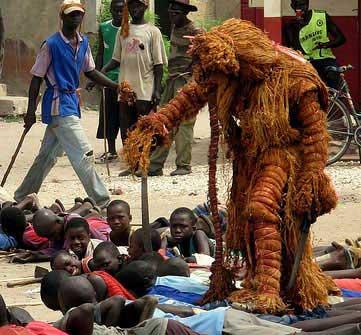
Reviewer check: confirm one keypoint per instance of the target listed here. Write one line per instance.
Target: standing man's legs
(111, 107)
(49, 151)
(72, 138)
(331, 79)
(183, 147)
(128, 118)
(159, 156)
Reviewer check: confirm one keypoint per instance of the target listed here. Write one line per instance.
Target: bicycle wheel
(339, 126)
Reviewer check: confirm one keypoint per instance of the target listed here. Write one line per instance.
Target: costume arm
(153, 129)
(315, 194)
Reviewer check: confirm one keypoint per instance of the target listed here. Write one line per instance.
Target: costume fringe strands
(270, 104)
(222, 282)
(127, 95)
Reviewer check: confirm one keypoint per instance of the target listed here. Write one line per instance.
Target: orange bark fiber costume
(270, 109)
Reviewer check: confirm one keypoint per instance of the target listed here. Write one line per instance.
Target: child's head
(77, 233)
(49, 225)
(50, 286)
(137, 9)
(116, 9)
(182, 224)
(13, 222)
(136, 243)
(138, 277)
(174, 267)
(153, 258)
(74, 292)
(107, 258)
(118, 215)
(64, 261)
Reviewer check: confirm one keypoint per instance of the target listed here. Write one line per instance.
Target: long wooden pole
(105, 132)
(145, 215)
(13, 159)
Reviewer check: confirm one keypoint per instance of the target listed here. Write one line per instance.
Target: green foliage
(104, 14)
(208, 24)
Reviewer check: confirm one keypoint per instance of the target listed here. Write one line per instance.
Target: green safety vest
(109, 33)
(312, 34)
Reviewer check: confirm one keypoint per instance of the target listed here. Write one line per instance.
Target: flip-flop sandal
(106, 158)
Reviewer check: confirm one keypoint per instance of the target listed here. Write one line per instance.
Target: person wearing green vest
(315, 34)
(179, 67)
(106, 41)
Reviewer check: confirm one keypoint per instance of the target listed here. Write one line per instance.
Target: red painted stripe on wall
(273, 27)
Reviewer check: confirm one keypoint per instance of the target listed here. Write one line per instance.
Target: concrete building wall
(206, 10)
(27, 24)
(228, 9)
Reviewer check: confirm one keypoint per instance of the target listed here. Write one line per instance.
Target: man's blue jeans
(65, 134)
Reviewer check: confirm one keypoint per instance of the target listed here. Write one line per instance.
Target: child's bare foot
(30, 202)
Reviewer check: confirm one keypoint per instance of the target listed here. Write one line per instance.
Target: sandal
(108, 157)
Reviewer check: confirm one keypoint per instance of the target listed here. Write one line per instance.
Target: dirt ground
(166, 194)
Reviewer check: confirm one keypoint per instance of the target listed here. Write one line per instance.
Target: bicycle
(343, 121)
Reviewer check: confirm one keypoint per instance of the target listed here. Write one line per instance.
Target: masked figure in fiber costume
(270, 107)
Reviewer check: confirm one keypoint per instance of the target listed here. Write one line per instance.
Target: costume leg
(263, 209)
(50, 150)
(75, 143)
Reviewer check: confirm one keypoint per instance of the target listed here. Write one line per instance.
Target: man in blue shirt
(62, 58)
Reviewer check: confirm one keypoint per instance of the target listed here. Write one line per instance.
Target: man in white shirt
(141, 56)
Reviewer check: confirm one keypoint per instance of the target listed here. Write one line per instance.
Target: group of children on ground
(42, 232)
(99, 264)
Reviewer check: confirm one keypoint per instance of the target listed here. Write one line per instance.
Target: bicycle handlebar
(340, 69)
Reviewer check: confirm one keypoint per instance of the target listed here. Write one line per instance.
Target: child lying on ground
(63, 260)
(17, 233)
(186, 237)
(141, 279)
(76, 291)
(107, 258)
(136, 243)
(93, 319)
(77, 238)
(119, 219)
(205, 219)
(49, 225)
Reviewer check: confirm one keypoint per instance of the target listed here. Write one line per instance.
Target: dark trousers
(129, 115)
(110, 106)
(331, 79)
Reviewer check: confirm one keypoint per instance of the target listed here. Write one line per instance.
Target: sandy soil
(166, 194)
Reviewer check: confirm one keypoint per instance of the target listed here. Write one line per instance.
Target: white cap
(69, 6)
